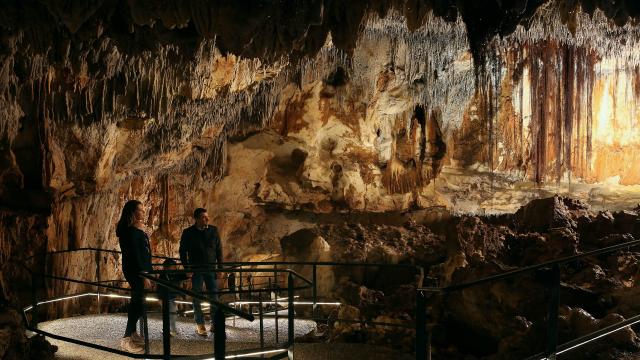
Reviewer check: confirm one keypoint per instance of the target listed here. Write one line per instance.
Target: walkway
(107, 330)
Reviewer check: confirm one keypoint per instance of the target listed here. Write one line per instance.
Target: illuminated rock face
(285, 122)
(392, 118)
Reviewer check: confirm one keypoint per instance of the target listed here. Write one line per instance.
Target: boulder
(14, 345)
(556, 211)
(576, 322)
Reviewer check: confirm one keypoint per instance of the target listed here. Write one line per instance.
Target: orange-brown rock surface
(277, 117)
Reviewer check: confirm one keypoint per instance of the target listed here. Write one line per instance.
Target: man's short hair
(198, 212)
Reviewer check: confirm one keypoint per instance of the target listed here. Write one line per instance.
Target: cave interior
(446, 141)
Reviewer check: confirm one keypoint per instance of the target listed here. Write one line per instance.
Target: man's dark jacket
(200, 247)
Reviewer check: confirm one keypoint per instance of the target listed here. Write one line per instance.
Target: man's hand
(147, 283)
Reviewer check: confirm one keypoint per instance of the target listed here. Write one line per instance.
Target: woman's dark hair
(126, 218)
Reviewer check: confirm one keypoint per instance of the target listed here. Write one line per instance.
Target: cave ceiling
(271, 29)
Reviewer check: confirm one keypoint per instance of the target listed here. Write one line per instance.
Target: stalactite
(569, 101)
(589, 75)
(580, 103)
(559, 67)
(536, 116)
(636, 81)
(520, 134)
(614, 98)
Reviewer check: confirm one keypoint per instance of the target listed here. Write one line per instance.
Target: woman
(136, 257)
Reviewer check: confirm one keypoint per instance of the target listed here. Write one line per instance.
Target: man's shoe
(201, 330)
(127, 344)
(137, 338)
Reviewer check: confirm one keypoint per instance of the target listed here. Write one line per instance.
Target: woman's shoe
(137, 338)
(127, 344)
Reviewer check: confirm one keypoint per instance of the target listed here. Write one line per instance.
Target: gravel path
(107, 330)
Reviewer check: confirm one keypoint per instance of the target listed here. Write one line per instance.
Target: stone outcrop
(500, 320)
(554, 212)
(503, 314)
(14, 345)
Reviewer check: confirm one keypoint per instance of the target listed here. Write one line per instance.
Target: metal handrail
(91, 249)
(230, 267)
(219, 340)
(190, 269)
(531, 268)
(553, 349)
(130, 355)
(319, 263)
(575, 343)
(226, 308)
(323, 263)
(95, 346)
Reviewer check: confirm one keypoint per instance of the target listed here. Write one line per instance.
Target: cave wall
(397, 111)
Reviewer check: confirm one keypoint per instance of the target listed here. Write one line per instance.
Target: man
(201, 251)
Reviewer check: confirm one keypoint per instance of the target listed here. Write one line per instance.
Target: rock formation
(500, 320)
(278, 116)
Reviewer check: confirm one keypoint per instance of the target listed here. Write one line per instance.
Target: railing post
(552, 319)
(261, 319)
(291, 311)
(219, 335)
(145, 325)
(98, 258)
(275, 285)
(429, 339)
(314, 290)
(166, 322)
(421, 325)
(35, 281)
(34, 300)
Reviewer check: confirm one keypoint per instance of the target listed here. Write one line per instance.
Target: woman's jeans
(136, 305)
